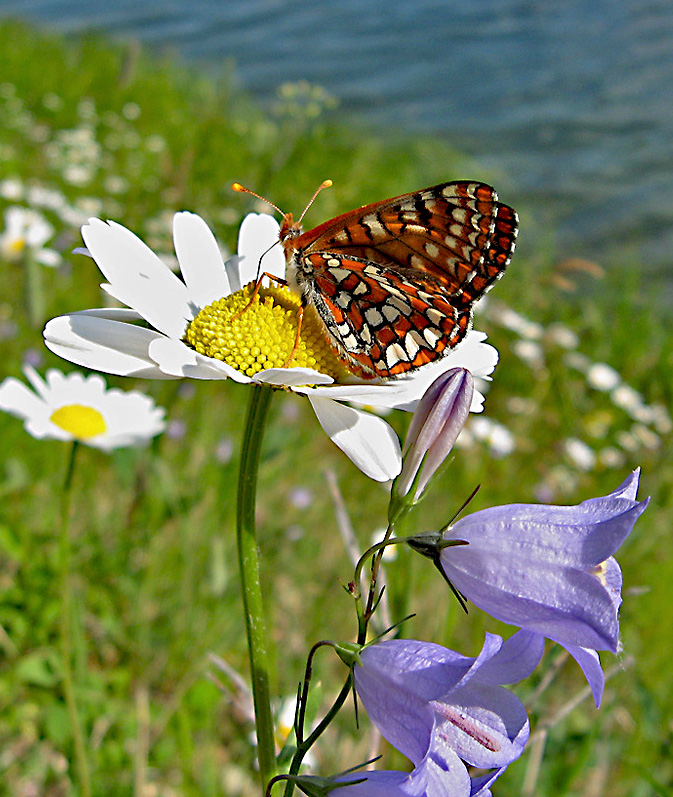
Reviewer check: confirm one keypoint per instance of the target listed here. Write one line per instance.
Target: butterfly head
(289, 228)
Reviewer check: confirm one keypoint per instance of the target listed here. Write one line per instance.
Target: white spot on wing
(401, 305)
(395, 354)
(375, 227)
(418, 338)
(433, 315)
(411, 345)
(391, 313)
(373, 317)
(432, 335)
(343, 300)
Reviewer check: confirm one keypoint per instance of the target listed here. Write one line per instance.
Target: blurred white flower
(11, 189)
(498, 437)
(530, 352)
(27, 231)
(562, 336)
(603, 377)
(580, 454)
(78, 407)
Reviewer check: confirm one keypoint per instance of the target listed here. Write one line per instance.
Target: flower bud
(437, 422)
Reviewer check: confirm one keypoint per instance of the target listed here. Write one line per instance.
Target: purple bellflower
(434, 428)
(548, 569)
(441, 709)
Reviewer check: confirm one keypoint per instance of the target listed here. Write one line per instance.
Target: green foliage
(114, 133)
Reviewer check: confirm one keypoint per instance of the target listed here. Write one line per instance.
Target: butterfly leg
(300, 318)
(255, 292)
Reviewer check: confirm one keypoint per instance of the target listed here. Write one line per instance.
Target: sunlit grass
(89, 129)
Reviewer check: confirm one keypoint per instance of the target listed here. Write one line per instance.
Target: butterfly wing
(383, 321)
(457, 232)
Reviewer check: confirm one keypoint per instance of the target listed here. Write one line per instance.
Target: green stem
(248, 558)
(81, 762)
(34, 290)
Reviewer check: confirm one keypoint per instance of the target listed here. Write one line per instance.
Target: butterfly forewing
(394, 282)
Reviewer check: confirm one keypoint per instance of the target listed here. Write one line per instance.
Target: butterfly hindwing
(382, 320)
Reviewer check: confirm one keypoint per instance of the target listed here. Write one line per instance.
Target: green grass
(153, 542)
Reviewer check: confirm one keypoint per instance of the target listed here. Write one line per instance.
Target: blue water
(570, 102)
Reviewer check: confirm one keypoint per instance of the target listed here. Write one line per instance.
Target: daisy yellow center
(254, 337)
(17, 246)
(79, 421)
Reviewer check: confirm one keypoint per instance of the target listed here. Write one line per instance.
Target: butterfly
(394, 283)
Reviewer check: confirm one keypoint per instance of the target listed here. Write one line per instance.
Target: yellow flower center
(17, 246)
(79, 421)
(262, 335)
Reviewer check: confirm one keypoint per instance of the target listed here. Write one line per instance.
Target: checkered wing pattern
(395, 282)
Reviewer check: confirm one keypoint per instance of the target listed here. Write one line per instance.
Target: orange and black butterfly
(394, 282)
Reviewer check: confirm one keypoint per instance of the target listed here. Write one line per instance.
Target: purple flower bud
(549, 569)
(434, 428)
(441, 709)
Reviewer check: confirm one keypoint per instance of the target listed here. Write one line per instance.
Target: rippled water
(570, 100)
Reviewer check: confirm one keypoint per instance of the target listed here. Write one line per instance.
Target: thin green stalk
(34, 290)
(248, 558)
(81, 762)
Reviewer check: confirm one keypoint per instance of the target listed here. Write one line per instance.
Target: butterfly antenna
(324, 184)
(243, 190)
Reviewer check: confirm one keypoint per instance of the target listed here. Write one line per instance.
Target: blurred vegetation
(87, 128)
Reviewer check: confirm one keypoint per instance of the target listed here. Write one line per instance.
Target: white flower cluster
(647, 423)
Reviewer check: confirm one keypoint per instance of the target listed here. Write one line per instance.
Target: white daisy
(78, 407)
(27, 229)
(225, 343)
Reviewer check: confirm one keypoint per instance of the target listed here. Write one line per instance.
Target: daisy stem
(81, 763)
(34, 288)
(248, 558)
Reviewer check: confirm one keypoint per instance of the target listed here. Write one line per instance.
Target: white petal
(17, 399)
(103, 344)
(200, 259)
(366, 439)
(177, 360)
(405, 392)
(376, 394)
(137, 277)
(111, 313)
(291, 377)
(131, 418)
(256, 238)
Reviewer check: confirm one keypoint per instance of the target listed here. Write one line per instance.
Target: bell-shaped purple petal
(448, 778)
(591, 667)
(548, 569)
(433, 705)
